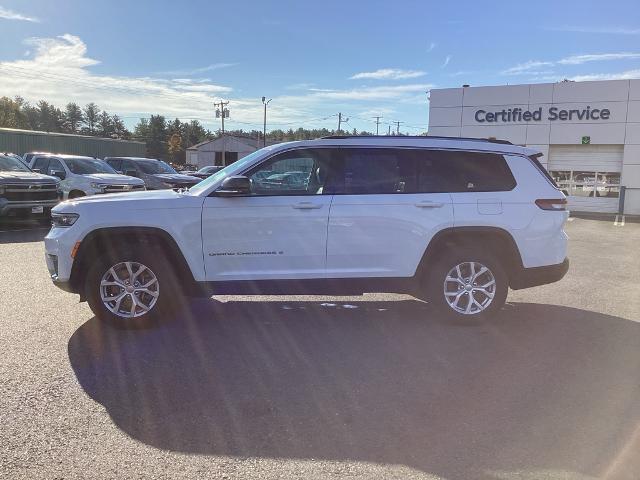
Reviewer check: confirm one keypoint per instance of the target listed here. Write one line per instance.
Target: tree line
(167, 140)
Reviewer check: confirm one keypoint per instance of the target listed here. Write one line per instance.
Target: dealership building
(589, 133)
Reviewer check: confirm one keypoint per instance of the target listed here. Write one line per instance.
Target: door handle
(307, 205)
(429, 204)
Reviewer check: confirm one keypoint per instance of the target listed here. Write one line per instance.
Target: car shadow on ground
(538, 388)
(23, 231)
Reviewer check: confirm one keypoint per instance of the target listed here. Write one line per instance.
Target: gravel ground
(305, 387)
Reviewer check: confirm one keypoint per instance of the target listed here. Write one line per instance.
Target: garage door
(588, 174)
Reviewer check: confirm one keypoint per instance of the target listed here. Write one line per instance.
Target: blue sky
(314, 59)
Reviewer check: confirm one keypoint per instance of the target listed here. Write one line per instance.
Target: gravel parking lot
(307, 387)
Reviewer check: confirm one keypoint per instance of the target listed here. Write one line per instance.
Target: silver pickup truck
(23, 192)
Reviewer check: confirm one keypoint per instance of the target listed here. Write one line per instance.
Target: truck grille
(30, 192)
(123, 188)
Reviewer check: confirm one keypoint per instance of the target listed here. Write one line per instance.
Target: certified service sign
(552, 114)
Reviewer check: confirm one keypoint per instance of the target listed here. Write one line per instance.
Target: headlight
(63, 219)
(97, 186)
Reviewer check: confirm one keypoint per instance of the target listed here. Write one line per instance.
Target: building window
(229, 158)
(581, 183)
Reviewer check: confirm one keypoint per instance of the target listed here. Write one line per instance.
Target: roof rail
(489, 140)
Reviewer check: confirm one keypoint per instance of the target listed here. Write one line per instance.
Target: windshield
(87, 166)
(229, 170)
(10, 164)
(155, 166)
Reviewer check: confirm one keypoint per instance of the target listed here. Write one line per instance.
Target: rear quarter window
(458, 171)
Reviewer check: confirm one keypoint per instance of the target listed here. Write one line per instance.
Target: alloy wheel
(469, 288)
(129, 289)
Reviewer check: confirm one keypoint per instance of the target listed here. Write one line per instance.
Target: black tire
(169, 292)
(465, 255)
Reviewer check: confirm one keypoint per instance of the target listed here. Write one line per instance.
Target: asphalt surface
(306, 387)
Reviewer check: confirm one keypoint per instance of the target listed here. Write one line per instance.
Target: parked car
(23, 192)
(156, 174)
(82, 176)
(204, 172)
(287, 180)
(454, 221)
(27, 157)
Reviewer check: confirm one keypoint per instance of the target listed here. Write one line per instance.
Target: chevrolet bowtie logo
(34, 187)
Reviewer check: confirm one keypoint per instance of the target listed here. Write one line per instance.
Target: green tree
(73, 117)
(105, 124)
(91, 114)
(119, 128)
(157, 137)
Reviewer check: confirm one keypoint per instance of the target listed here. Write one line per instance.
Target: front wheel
(132, 289)
(467, 284)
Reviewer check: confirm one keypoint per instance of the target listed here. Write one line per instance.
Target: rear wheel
(467, 284)
(132, 289)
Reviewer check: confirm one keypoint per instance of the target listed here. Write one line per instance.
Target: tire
(155, 288)
(489, 292)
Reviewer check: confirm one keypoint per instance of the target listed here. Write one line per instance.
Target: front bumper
(8, 208)
(532, 277)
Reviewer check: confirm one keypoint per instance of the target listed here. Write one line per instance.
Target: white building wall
(452, 112)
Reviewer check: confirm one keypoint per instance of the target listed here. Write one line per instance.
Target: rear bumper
(531, 277)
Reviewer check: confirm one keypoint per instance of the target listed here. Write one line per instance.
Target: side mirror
(59, 173)
(131, 173)
(37, 170)
(234, 186)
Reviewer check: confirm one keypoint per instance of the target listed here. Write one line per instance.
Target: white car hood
(114, 179)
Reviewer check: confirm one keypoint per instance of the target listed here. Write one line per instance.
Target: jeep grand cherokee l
(454, 221)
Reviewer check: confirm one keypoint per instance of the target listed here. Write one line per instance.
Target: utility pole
(389, 132)
(221, 113)
(398, 127)
(341, 121)
(265, 102)
(377, 124)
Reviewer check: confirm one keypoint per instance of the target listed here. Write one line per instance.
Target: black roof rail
(437, 137)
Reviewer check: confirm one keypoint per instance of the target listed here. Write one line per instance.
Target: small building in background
(23, 141)
(235, 147)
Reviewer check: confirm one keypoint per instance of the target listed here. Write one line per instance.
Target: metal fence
(22, 141)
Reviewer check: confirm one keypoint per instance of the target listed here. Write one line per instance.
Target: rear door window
(367, 171)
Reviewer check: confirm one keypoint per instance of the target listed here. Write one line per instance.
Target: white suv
(454, 221)
(81, 176)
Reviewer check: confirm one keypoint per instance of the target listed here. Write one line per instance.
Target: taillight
(558, 204)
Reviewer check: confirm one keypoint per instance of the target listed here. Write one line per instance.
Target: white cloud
(530, 67)
(11, 15)
(605, 30)
(627, 75)
(196, 71)
(446, 61)
(598, 57)
(388, 74)
(60, 71)
(374, 93)
(432, 45)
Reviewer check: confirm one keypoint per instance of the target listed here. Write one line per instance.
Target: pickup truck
(23, 192)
